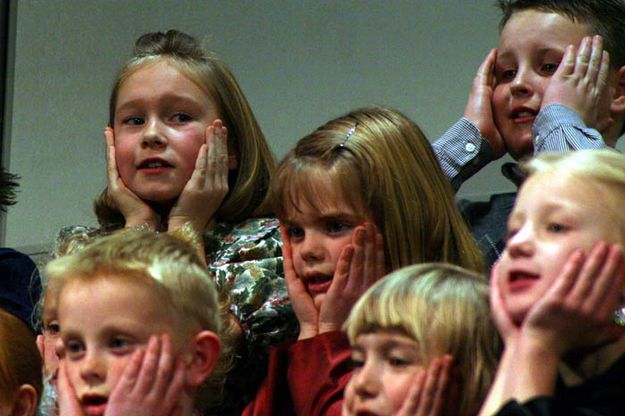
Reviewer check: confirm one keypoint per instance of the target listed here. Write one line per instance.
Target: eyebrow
(175, 98)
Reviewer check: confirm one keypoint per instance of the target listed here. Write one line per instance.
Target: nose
(366, 381)
(93, 368)
(522, 242)
(153, 135)
(311, 248)
(523, 83)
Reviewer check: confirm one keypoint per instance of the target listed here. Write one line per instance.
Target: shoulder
(255, 238)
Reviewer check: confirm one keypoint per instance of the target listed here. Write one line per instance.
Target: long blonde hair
(445, 309)
(249, 183)
(387, 164)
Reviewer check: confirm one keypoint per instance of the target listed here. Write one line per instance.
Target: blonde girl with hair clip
(360, 196)
(20, 368)
(139, 321)
(556, 287)
(183, 146)
(404, 333)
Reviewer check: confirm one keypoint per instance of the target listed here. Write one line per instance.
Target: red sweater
(304, 378)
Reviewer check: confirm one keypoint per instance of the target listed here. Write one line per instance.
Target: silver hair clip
(349, 134)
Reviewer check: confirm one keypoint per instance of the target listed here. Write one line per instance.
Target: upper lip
(153, 160)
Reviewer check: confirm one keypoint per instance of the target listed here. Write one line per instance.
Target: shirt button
(469, 147)
(536, 139)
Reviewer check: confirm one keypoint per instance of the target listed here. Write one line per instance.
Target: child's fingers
(111, 163)
(149, 366)
(344, 269)
(485, 73)
(287, 259)
(567, 65)
(356, 270)
(596, 54)
(217, 160)
(606, 290)
(175, 387)
(165, 368)
(443, 381)
(569, 275)
(369, 259)
(583, 56)
(430, 387)
(589, 272)
(66, 396)
(414, 397)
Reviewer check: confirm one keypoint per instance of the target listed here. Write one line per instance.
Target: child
(360, 196)
(535, 93)
(556, 287)
(20, 368)
(409, 319)
(114, 296)
(169, 162)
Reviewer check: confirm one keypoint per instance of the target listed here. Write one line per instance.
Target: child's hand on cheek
(134, 209)
(66, 397)
(151, 384)
(479, 109)
(360, 265)
(581, 83)
(434, 392)
(578, 310)
(301, 301)
(208, 185)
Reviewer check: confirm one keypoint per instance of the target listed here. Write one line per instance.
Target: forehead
(102, 296)
(536, 29)
(321, 192)
(161, 78)
(583, 196)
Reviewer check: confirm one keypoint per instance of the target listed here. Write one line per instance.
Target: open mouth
(94, 405)
(318, 283)
(154, 164)
(523, 115)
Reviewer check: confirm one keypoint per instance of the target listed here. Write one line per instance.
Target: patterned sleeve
(246, 261)
(557, 128)
(462, 151)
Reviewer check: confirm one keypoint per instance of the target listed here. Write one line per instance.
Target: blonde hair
(20, 361)
(249, 183)
(604, 166)
(445, 309)
(387, 166)
(164, 262)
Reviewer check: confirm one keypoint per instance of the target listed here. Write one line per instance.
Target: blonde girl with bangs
(359, 197)
(184, 147)
(410, 329)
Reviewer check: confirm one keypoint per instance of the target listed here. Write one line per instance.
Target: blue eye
(295, 232)
(181, 118)
(119, 343)
(556, 228)
(73, 348)
(336, 227)
(549, 68)
(52, 328)
(133, 121)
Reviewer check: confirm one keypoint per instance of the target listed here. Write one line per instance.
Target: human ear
(204, 355)
(617, 103)
(25, 401)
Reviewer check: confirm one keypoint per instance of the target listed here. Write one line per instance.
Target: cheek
(124, 156)
(189, 143)
(397, 388)
(115, 370)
